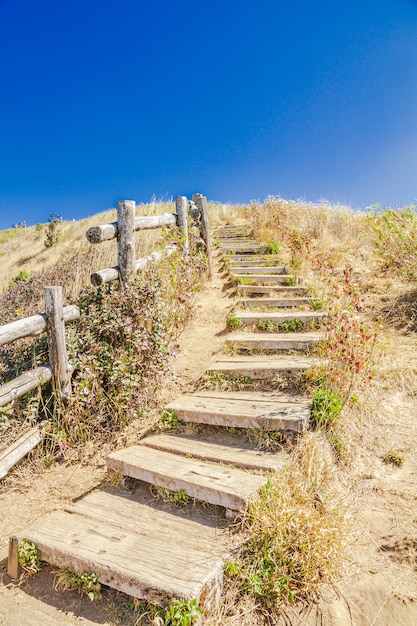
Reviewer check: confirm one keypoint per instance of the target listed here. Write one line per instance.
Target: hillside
(361, 269)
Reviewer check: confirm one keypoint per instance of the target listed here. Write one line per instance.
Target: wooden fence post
(58, 359)
(201, 203)
(13, 562)
(181, 204)
(126, 250)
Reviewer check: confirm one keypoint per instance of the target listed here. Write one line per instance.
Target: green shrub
(325, 408)
(234, 322)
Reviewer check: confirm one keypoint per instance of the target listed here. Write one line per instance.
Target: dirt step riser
(227, 487)
(273, 417)
(262, 289)
(274, 302)
(272, 341)
(254, 317)
(272, 269)
(206, 450)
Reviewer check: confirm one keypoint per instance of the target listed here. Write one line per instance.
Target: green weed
(28, 555)
(168, 421)
(87, 584)
(317, 304)
(272, 247)
(395, 458)
(326, 408)
(289, 326)
(182, 612)
(178, 498)
(234, 322)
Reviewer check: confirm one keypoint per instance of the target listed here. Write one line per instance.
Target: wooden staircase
(156, 554)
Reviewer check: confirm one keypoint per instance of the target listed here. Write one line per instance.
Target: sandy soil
(380, 586)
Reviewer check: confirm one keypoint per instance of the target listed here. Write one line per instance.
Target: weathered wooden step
(274, 302)
(253, 258)
(278, 317)
(272, 410)
(243, 248)
(257, 289)
(262, 367)
(235, 239)
(148, 554)
(274, 341)
(231, 228)
(207, 450)
(265, 279)
(258, 262)
(224, 486)
(272, 269)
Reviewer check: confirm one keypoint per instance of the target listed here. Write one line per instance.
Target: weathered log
(201, 203)
(126, 250)
(57, 347)
(181, 204)
(32, 326)
(112, 273)
(17, 450)
(97, 234)
(24, 383)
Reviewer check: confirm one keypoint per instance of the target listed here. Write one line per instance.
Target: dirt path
(28, 497)
(380, 587)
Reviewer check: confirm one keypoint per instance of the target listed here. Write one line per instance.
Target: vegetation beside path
(306, 534)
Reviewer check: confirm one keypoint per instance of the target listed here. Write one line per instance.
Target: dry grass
(24, 249)
(372, 304)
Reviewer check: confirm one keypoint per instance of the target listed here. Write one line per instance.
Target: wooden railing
(58, 370)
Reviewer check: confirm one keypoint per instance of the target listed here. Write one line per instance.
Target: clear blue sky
(123, 99)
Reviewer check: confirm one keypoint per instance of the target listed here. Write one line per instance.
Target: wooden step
(258, 262)
(253, 258)
(278, 317)
(224, 486)
(243, 248)
(274, 341)
(271, 411)
(207, 450)
(143, 552)
(262, 367)
(291, 289)
(265, 279)
(235, 238)
(272, 269)
(274, 302)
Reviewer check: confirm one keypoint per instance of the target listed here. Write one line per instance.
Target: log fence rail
(52, 321)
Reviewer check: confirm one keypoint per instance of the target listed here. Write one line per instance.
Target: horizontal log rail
(55, 316)
(25, 382)
(32, 326)
(97, 234)
(113, 273)
(14, 453)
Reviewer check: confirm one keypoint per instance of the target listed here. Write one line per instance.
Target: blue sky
(125, 99)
